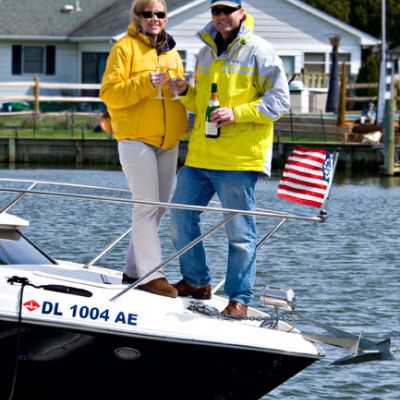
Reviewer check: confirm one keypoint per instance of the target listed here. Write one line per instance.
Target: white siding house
(299, 33)
(38, 38)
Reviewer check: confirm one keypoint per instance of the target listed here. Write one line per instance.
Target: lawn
(74, 125)
(53, 125)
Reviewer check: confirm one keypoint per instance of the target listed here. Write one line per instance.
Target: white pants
(150, 172)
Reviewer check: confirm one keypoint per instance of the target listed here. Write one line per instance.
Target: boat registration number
(82, 312)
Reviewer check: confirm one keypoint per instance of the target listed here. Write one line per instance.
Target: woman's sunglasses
(224, 10)
(150, 14)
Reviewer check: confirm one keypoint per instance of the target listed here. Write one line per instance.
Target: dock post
(388, 140)
(78, 152)
(12, 150)
(341, 117)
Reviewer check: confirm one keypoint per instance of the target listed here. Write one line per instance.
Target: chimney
(70, 9)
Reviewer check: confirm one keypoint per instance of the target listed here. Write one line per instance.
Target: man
(253, 93)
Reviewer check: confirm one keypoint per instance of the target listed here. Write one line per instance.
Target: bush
(369, 73)
(32, 120)
(63, 121)
(93, 123)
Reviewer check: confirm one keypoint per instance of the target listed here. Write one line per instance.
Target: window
(33, 60)
(93, 66)
(16, 249)
(288, 64)
(314, 63)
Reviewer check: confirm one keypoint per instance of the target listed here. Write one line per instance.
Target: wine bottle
(212, 131)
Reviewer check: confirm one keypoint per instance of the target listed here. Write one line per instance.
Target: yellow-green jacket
(251, 80)
(128, 93)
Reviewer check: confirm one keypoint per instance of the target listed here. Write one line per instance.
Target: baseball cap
(231, 3)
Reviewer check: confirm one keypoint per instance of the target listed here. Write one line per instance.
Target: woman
(147, 129)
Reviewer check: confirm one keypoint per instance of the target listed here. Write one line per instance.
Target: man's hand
(177, 85)
(223, 116)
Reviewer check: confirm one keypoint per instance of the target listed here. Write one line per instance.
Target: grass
(69, 125)
(52, 126)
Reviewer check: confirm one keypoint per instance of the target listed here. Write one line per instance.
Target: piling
(388, 148)
(341, 116)
(12, 150)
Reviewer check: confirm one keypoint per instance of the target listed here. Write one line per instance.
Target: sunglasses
(224, 10)
(150, 14)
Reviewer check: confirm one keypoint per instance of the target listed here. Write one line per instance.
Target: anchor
(360, 348)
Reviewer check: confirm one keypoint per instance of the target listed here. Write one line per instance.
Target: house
(48, 39)
(68, 41)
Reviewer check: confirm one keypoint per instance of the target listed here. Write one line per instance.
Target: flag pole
(382, 75)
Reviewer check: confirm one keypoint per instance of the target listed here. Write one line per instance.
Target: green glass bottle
(212, 131)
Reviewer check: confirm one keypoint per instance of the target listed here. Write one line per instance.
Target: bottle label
(211, 129)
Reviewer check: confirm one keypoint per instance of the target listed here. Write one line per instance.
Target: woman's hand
(157, 78)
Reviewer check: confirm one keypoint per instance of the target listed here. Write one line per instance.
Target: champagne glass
(159, 69)
(173, 74)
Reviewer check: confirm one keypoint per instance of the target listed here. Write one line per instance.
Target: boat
(74, 331)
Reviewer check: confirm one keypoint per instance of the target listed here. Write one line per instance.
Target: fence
(313, 81)
(35, 87)
(316, 80)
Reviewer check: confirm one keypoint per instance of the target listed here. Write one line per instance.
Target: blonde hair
(138, 6)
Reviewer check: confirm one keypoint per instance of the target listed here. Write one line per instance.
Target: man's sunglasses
(150, 14)
(224, 10)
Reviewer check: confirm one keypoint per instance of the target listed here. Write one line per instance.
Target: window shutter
(50, 60)
(16, 63)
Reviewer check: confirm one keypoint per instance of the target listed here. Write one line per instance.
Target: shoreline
(104, 153)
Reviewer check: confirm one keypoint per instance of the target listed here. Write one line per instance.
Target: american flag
(306, 177)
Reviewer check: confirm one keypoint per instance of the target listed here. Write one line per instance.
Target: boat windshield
(16, 249)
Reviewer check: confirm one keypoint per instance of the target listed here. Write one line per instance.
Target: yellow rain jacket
(128, 93)
(251, 80)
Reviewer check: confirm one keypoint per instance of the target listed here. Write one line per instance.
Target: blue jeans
(235, 190)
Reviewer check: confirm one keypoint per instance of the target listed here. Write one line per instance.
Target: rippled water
(345, 272)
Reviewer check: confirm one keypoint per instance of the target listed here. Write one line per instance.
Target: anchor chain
(213, 312)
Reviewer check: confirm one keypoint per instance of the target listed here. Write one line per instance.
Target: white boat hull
(73, 341)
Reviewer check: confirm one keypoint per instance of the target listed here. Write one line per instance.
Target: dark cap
(230, 3)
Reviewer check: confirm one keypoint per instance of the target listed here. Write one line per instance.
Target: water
(345, 272)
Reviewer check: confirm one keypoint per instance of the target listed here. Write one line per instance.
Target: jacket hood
(209, 32)
(169, 43)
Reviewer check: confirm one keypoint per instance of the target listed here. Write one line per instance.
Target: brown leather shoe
(185, 290)
(235, 309)
(159, 286)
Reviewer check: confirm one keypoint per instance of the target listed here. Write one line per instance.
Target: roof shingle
(44, 18)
